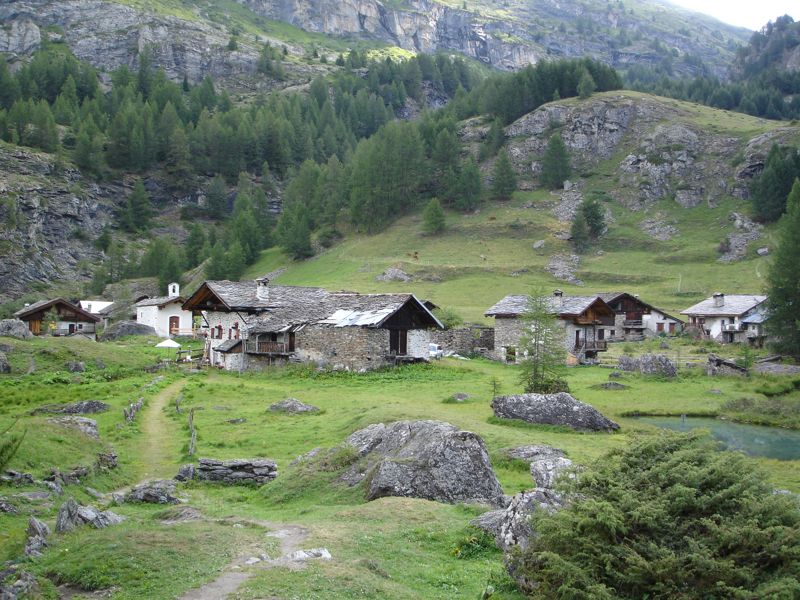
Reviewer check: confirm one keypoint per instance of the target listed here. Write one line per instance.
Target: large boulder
(424, 459)
(154, 492)
(293, 406)
(534, 452)
(545, 471)
(5, 366)
(122, 329)
(649, 364)
(552, 409)
(14, 328)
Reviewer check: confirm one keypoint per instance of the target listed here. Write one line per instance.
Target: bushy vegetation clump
(667, 517)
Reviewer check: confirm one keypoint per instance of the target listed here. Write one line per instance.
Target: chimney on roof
(559, 296)
(173, 290)
(719, 300)
(262, 288)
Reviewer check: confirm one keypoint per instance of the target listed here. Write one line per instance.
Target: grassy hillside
(392, 547)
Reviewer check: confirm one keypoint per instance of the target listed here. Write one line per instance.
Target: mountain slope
(669, 208)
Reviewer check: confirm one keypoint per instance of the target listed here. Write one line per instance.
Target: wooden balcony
(591, 346)
(268, 348)
(633, 324)
(732, 327)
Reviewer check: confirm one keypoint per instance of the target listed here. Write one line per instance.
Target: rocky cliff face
(48, 219)
(109, 35)
(658, 148)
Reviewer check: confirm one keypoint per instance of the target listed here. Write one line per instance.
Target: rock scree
(552, 409)
(83, 407)
(424, 459)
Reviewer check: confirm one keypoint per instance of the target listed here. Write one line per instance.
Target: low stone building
(254, 324)
(722, 317)
(636, 319)
(587, 323)
(58, 317)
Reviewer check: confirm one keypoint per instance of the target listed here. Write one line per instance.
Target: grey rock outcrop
(5, 366)
(394, 274)
(161, 491)
(15, 328)
(545, 471)
(16, 584)
(124, 329)
(240, 471)
(292, 406)
(424, 459)
(37, 533)
(76, 367)
(552, 409)
(648, 364)
(563, 267)
(83, 424)
(7, 507)
(534, 452)
(82, 407)
(72, 515)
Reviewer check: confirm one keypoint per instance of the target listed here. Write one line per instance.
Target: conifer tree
(470, 186)
(137, 212)
(217, 197)
(556, 167)
(505, 179)
(433, 220)
(783, 280)
(495, 139)
(579, 232)
(586, 85)
(194, 245)
(542, 345)
(595, 219)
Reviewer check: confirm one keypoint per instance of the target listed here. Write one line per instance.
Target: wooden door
(71, 328)
(35, 327)
(398, 342)
(659, 327)
(672, 327)
(578, 338)
(174, 325)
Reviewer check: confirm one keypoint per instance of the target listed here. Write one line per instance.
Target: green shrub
(475, 543)
(667, 517)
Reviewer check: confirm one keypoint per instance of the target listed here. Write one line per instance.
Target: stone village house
(254, 324)
(67, 318)
(729, 318)
(587, 322)
(637, 320)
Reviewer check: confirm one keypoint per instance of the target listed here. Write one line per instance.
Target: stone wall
(239, 471)
(465, 340)
(351, 348)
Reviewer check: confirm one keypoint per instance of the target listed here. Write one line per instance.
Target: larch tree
(505, 179)
(783, 280)
(556, 167)
(542, 345)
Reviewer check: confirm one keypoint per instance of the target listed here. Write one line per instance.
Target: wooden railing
(732, 327)
(253, 347)
(593, 346)
(633, 323)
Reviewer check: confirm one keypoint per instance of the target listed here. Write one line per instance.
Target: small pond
(755, 440)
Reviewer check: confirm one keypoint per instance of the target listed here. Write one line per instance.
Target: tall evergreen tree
(595, 219)
(470, 186)
(433, 220)
(542, 345)
(194, 245)
(138, 210)
(217, 198)
(579, 232)
(556, 167)
(504, 178)
(586, 85)
(783, 280)
(771, 188)
(495, 139)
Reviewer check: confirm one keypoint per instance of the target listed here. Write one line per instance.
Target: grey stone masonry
(239, 471)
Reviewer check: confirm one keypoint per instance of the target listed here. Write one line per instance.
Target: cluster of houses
(253, 324)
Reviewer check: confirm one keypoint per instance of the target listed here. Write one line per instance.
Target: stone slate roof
(159, 301)
(734, 305)
(289, 308)
(46, 304)
(228, 345)
(514, 306)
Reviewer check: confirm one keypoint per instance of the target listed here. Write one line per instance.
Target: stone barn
(254, 324)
